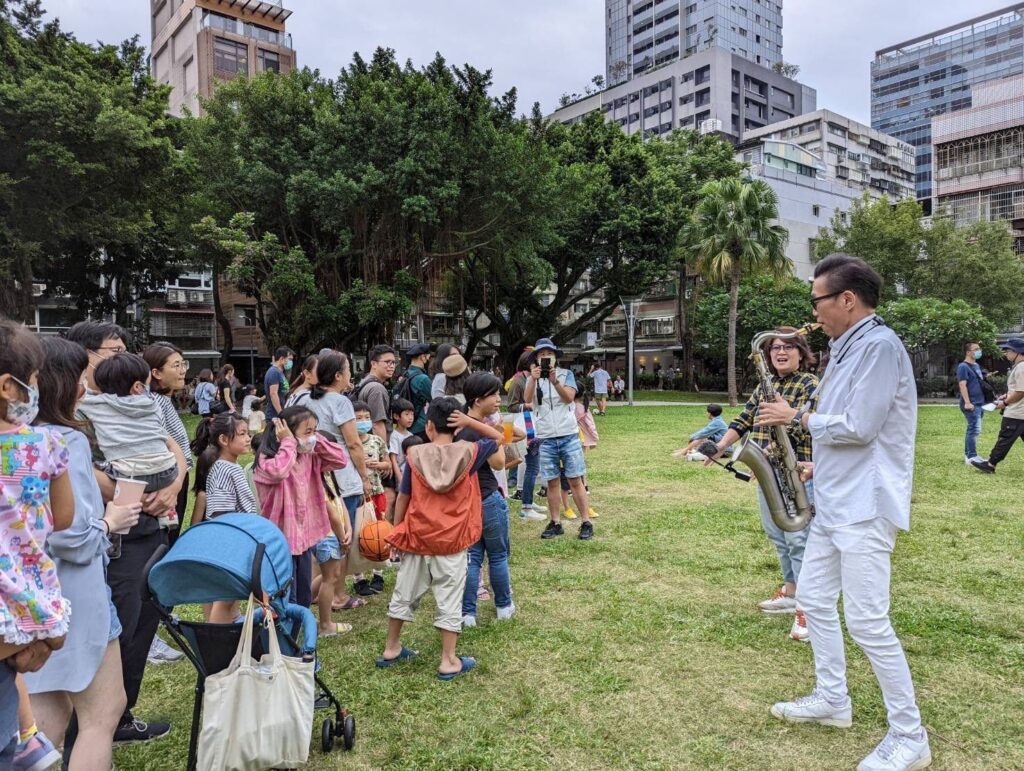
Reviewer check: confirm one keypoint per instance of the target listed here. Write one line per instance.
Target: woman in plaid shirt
(790, 360)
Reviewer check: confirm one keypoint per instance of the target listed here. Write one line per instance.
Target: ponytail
(207, 445)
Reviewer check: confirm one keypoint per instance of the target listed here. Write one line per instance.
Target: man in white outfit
(863, 437)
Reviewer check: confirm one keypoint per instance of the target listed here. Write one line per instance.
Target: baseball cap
(418, 349)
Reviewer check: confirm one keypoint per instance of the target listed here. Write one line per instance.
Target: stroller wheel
(348, 732)
(327, 735)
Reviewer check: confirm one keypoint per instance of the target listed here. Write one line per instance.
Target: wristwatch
(796, 422)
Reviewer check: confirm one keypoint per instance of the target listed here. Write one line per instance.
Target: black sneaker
(983, 465)
(553, 529)
(517, 495)
(542, 492)
(362, 588)
(138, 732)
(586, 531)
(377, 583)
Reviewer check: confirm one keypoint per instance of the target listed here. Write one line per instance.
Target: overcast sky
(549, 47)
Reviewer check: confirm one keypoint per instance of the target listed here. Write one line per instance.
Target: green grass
(642, 648)
(683, 397)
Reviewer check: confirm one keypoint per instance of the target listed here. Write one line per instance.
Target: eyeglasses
(388, 362)
(182, 365)
(816, 300)
(113, 348)
(787, 347)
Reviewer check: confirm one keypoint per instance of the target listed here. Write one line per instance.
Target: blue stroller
(225, 559)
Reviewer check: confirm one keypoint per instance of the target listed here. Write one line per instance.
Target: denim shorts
(115, 622)
(327, 549)
(562, 452)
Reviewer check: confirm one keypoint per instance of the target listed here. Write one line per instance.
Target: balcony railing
(239, 27)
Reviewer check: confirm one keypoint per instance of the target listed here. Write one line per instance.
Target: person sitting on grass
(714, 431)
(438, 516)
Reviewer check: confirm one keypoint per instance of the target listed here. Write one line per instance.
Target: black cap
(418, 349)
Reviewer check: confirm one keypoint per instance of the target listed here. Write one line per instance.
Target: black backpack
(357, 395)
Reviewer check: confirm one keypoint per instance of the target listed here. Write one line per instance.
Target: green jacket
(420, 385)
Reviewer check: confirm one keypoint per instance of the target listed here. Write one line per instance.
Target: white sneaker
(504, 614)
(162, 653)
(468, 621)
(531, 514)
(696, 457)
(814, 709)
(898, 752)
(779, 604)
(799, 631)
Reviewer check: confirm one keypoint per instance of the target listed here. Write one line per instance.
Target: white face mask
(23, 413)
(307, 444)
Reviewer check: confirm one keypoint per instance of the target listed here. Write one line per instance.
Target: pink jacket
(586, 423)
(291, 490)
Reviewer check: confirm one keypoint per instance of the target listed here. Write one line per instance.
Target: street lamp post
(630, 304)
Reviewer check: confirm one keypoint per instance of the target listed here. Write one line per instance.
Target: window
(269, 61)
(230, 57)
(816, 210)
(246, 315)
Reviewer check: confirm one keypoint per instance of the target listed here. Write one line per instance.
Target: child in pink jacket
(288, 472)
(588, 429)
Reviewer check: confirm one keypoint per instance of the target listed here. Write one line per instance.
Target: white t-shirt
(247, 404)
(600, 377)
(332, 411)
(395, 447)
(620, 384)
(551, 416)
(1015, 382)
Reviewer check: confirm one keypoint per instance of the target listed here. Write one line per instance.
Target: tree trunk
(222, 320)
(734, 294)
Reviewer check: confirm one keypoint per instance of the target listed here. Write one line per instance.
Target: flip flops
(338, 629)
(350, 604)
(468, 662)
(403, 655)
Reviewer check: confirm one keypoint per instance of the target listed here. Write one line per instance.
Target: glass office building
(642, 35)
(914, 81)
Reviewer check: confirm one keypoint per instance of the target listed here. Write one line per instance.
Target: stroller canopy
(214, 560)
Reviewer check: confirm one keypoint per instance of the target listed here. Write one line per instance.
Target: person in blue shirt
(714, 431)
(969, 378)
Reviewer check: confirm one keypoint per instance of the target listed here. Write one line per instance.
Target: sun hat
(454, 365)
(1015, 344)
(545, 343)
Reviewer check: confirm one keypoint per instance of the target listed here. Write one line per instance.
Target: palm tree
(732, 235)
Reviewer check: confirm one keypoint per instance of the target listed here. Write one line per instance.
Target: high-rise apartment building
(919, 79)
(643, 34)
(979, 158)
(709, 91)
(198, 43)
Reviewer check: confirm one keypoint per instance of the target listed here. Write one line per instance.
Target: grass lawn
(643, 648)
(683, 397)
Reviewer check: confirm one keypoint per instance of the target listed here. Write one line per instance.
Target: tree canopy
(89, 175)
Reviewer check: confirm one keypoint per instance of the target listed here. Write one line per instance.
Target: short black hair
(411, 441)
(844, 272)
(91, 334)
(398, 406)
(480, 385)
(380, 350)
(714, 410)
(968, 345)
(440, 410)
(358, 405)
(283, 351)
(117, 374)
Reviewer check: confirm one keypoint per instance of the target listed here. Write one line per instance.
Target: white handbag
(257, 715)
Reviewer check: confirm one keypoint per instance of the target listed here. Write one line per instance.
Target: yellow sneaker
(593, 514)
(569, 513)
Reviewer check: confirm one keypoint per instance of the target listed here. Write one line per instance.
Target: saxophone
(776, 467)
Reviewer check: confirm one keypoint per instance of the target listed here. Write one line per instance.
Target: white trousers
(855, 560)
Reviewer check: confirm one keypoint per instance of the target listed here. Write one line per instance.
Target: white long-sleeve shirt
(864, 428)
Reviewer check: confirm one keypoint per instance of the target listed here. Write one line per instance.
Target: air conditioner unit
(177, 297)
(38, 290)
(710, 126)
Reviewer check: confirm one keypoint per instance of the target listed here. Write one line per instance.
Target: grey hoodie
(128, 427)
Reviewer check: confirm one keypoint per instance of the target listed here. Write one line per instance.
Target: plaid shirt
(797, 389)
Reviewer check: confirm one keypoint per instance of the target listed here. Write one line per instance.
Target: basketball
(371, 541)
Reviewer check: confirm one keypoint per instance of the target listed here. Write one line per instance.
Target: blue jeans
(974, 418)
(532, 464)
(790, 546)
(494, 541)
(562, 454)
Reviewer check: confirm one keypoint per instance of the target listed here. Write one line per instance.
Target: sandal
(338, 629)
(403, 655)
(468, 662)
(350, 604)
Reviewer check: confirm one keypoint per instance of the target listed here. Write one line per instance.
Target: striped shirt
(797, 389)
(227, 490)
(173, 425)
